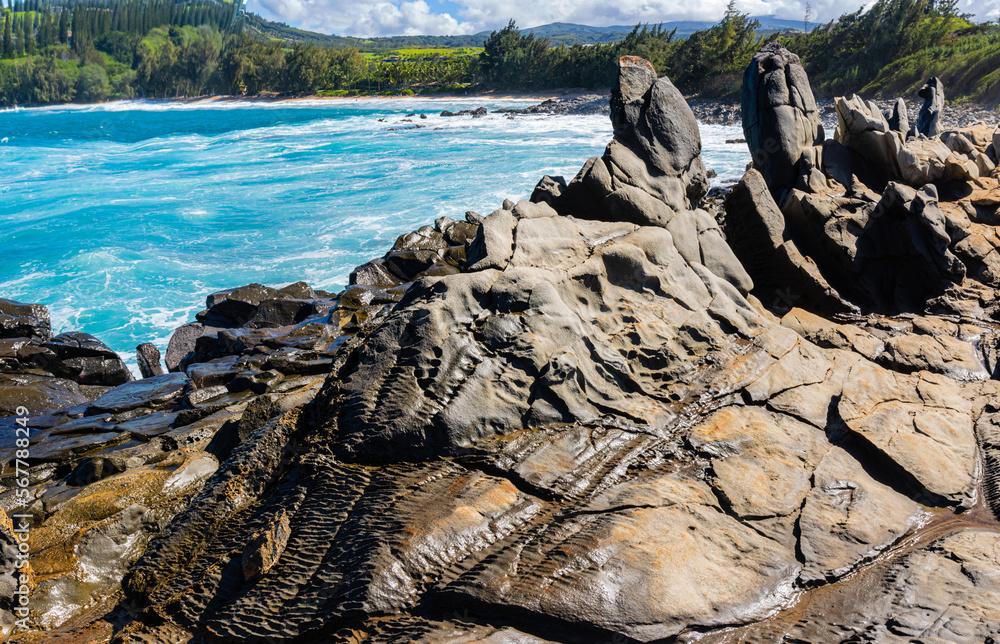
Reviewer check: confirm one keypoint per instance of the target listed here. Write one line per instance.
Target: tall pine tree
(63, 25)
(22, 36)
(29, 34)
(8, 41)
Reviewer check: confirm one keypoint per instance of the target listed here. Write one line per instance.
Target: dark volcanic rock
(37, 393)
(297, 291)
(183, 342)
(928, 122)
(19, 320)
(86, 360)
(898, 118)
(585, 104)
(148, 358)
(148, 392)
(548, 190)
(237, 305)
(780, 119)
(374, 273)
(283, 312)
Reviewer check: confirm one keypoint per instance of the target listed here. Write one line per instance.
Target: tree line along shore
(99, 50)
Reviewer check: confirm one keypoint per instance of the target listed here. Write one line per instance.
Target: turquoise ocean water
(122, 217)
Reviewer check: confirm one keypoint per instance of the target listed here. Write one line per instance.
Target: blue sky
(412, 17)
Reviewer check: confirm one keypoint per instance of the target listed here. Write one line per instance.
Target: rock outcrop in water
(545, 425)
(39, 371)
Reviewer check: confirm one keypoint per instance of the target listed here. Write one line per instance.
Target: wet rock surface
(570, 420)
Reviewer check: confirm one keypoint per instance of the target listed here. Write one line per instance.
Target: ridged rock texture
(780, 119)
(877, 221)
(544, 425)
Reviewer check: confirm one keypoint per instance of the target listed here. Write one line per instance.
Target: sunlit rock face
(545, 425)
(875, 220)
(652, 173)
(780, 119)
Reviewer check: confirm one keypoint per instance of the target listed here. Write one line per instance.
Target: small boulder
(374, 274)
(184, 342)
(898, 118)
(281, 312)
(297, 291)
(548, 190)
(409, 265)
(84, 359)
(237, 305)
(494, 243)
(266, 547)
(426, 238)
(20, 320)
(148, 357)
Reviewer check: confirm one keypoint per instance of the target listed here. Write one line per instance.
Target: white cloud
(352, 18)
(985, 9)
(412, 17)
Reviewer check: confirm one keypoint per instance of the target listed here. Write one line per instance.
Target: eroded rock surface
(874, 220)
(545, 425)
(652, 173)
(780, 119)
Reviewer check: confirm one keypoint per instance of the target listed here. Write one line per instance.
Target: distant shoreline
(540, 96)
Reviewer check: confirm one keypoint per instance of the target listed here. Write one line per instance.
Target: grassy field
(436, 52)
(969, 66)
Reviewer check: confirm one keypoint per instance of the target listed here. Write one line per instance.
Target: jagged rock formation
(891, 157)
(651, 173)
(875, 221)
(930, 112)
(898, 119)
(541, 427)
(780, 119)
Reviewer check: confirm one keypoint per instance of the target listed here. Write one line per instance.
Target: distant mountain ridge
(589, 34)
(557, 32)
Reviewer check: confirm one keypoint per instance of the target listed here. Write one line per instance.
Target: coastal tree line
(93, 50)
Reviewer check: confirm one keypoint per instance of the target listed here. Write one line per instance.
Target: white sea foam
(125, 215)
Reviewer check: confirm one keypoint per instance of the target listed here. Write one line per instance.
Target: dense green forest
(94, 50)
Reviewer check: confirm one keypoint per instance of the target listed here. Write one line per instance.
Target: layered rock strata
(554, 426)
(877, 221)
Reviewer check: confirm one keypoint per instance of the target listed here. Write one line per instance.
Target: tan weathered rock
(937, 353)
(648, 563)
(824, 333)
(260, 555)
(921, 423)
(848, 516)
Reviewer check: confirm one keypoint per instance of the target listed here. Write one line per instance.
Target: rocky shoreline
(729, 112)
(605, 413)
